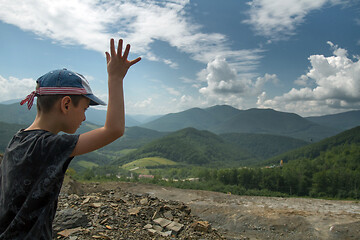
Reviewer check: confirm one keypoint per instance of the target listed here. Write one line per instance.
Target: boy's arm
(117, 67)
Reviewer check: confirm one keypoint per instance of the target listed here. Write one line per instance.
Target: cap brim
(94, 100)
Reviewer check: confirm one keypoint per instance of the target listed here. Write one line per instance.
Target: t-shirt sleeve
(58, 148)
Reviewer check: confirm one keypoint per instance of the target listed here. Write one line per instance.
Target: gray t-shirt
(31, 175)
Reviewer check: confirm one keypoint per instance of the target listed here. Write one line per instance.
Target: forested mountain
(194, 147)
(330, 168)
(349, 137)
(226, 119)
(342, 121)
(263, 146)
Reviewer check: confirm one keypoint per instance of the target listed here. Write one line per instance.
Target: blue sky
(298, 56)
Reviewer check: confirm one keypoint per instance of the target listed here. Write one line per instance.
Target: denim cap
(62, 82)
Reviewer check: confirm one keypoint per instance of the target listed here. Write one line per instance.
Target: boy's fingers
(126, 52)
(112, 47)
(135, 61)
(120, 44)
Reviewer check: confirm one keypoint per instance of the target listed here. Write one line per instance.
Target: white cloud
(278, 19)
(143, 104)
(337, 86)
(91, 23)
(14, 88)
(226, 86)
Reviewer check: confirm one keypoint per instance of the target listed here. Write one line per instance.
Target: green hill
(226, 119)
(263, 146)
(133, 138)
(192, 146)
(330, 168)
(349, 137)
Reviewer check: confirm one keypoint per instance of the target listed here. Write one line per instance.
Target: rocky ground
(94, 211)
(120, 210)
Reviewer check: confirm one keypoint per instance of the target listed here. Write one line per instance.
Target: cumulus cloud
(14, 88)
(92, 23)
(278, 19)
(337, 86)
(225, 85)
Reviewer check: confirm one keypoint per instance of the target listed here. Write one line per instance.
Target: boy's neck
(46, 122)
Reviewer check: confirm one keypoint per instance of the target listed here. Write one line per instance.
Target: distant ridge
(342, 121)
(218, 119)
(226, 119)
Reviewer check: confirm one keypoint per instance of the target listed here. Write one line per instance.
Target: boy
(35, 161)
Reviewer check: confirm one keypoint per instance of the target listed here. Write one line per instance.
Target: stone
(165, 234)
(96, 205)
(69, 218)
(68, 232)
(174, 226)
(201, 226)
(134, 211)
(86, 200)
(144, 201)
(152, 230)
(147, 226)
(158, 228)
(162, 222)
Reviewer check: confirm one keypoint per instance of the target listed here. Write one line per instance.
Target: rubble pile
(115, 214)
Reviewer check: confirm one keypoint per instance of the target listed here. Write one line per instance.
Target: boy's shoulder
(40, 142)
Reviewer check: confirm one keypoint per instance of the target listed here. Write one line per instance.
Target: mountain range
(226, 119)
(220, 135)
(217, 119)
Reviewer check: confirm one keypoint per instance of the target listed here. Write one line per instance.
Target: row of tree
(335, 173)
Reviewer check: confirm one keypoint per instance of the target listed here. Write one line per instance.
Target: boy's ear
(65, 104)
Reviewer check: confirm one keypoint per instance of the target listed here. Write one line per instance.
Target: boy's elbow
(114, 132)
(117, 133)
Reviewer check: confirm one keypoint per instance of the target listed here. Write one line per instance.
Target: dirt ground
(249, 217)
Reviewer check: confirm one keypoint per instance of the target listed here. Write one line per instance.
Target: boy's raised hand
(117, 64)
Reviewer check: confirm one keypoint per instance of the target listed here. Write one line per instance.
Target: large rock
(69, 218)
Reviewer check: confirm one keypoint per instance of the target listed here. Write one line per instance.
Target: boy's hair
(45, 103)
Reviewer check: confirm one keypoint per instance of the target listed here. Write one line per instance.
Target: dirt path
(263, 217)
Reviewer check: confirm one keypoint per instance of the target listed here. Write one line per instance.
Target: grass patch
(140, 166)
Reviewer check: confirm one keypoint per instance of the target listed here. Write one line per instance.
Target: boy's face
(77, 114)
